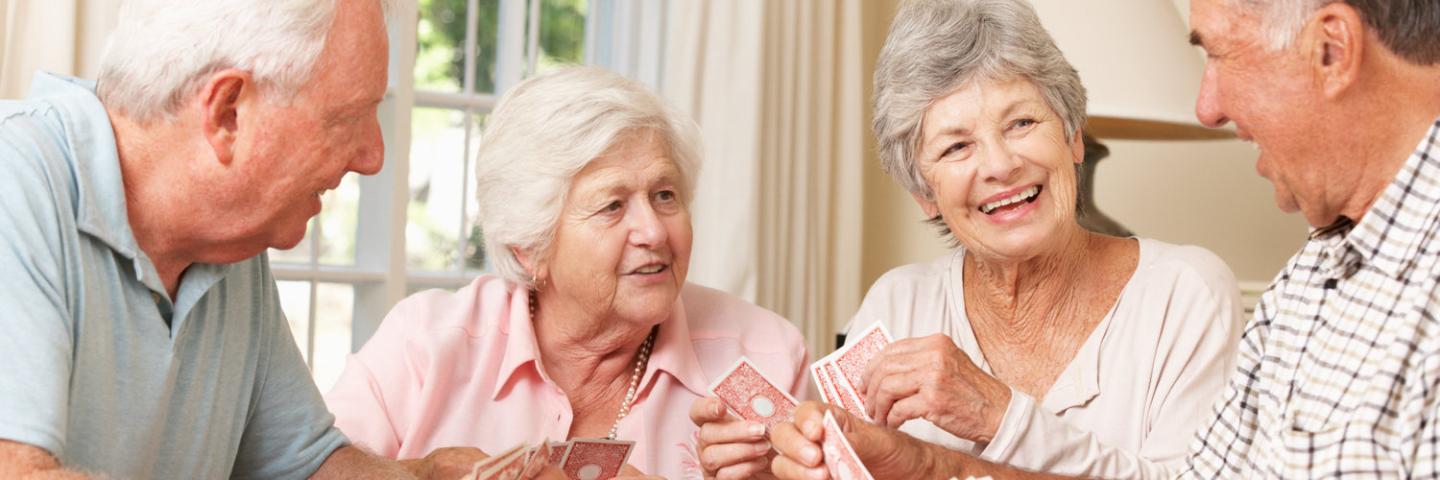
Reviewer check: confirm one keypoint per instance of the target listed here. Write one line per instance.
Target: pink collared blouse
(463, 369)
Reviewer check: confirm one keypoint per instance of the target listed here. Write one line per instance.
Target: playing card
(822, 382)
(557, 453)
(852, 359)
(595, 458)
(752, 396)
(508, 467)
(847, 398)
(840, 458)
(484, 465)
(538, 455)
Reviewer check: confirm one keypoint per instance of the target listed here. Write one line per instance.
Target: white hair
(1281, 20)
(935, 46)
(542, 134)
(163, 50)
(1410, 28)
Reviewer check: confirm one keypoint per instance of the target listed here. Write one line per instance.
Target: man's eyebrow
(1196, 40)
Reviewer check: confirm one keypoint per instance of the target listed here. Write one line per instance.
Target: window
(409, 228)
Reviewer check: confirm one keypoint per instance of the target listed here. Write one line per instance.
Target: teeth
(651, 269)
(1027, 194)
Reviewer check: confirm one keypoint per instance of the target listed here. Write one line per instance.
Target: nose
(370, 157)
(999, 162)
(1207, 102)
(646, 228)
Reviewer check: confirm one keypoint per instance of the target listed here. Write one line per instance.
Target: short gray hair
(1410, 28)
(543, 133)
(935, 46)
(163, 50)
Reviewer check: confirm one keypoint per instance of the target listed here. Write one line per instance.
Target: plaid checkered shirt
(1339, 371)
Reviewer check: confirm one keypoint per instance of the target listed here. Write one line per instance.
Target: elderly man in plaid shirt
(1339, 371)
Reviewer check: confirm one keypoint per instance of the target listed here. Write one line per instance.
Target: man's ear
(220, 106)
(1338, 44)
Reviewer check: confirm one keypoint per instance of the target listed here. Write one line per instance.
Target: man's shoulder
(32, 142)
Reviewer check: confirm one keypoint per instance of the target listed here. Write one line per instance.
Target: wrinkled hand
(447, 463)
(730, 448)
(451, 463)
(930, 378)
(886, 453)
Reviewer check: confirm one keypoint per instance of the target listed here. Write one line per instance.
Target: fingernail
(817, 473)
(762, 447)
(811, 454)
(757, 429)
(718, 407)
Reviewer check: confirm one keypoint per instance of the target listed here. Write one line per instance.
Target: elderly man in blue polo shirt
(142, 333)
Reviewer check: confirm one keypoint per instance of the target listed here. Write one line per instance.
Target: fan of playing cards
(580, 459)
(838, 374)
(838, 378)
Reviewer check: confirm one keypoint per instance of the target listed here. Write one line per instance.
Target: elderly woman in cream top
(1035, 343)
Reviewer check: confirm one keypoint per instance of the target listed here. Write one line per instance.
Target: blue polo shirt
(98, 365)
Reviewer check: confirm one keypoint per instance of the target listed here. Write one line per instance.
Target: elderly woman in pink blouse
(588, 327)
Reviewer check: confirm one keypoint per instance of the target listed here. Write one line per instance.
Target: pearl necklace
(641, 360)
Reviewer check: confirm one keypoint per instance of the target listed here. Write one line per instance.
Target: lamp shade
(1133, 56)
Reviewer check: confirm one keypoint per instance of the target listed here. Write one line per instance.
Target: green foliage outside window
(439, 67)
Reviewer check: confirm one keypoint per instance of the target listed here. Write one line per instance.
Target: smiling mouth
(1014, 201)
(650, 269)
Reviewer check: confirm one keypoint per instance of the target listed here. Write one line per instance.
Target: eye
(954, 147)
(1024, 123)
(613, 206)
(665, 195)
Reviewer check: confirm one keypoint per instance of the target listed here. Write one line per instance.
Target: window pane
(337, 223)
(300, 253)
(437, 150)
(440, 42)
(334, 307)
(487, 31)
(474, 241)
(295, 301)
(562, 33)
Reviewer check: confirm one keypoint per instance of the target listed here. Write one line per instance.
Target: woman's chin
(647, 311)
(1012, 247)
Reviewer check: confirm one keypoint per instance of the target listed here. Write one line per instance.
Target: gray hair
(935, 46)
(164, 50)
(542, 134)
(1410, 28)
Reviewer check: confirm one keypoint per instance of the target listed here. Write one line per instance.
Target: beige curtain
(59, 36)
(777, 88)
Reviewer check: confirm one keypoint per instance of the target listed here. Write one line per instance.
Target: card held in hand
(752, 396)
(846, 397)
(852, 359)
(557, 453)
(840, 458)
(595, 458)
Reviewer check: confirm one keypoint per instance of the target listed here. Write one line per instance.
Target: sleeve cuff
(1012, 425)
(33, 436)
